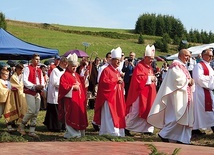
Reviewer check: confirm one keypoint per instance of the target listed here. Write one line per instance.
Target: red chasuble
(76, 112)
(208, 99)
(138, 88)
(109, 90)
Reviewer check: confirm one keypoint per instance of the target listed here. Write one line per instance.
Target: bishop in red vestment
(110, 102)
(72, 101)
(141, 95)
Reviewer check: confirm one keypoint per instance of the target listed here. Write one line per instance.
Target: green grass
(91, 135)
(36, 33)
(45, 135)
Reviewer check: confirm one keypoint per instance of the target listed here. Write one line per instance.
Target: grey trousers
(33, 103)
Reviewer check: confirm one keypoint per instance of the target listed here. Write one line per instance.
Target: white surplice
(107, 125)
(136, 123)
(203, 119)
(53, 86)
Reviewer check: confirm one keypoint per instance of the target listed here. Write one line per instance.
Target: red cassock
(138, 88)
(111, 91)
(76, 112)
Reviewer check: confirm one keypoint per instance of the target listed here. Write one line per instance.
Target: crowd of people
(131, 95)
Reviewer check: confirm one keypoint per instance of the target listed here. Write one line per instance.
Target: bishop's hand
(120, 80)
(153, 78)
(191, 82)
(76, 86)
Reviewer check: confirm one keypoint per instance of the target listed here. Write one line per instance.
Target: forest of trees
(158, 25)
(170, 29)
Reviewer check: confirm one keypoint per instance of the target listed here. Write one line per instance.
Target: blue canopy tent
(13, 48)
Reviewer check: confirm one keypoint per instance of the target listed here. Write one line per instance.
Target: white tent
(195, 50)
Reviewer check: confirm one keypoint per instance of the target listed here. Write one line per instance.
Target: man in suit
(128, 68)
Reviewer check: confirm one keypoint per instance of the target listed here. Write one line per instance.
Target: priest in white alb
(172, 110)
(203, 75)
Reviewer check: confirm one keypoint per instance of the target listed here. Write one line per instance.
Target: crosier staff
(90, 62)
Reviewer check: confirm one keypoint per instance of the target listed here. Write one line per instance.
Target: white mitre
(150, 51)
(73, 59)
(116, 53)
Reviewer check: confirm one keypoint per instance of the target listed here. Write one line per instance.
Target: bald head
(184, 55)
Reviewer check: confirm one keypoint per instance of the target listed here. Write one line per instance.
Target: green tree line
(171, 30)
(160, 25)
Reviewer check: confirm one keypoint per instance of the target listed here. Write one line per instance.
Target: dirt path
(97, 148)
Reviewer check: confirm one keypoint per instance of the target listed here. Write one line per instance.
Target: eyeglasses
(122, 55)
(209, 55)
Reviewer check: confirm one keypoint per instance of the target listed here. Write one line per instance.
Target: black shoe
(54, 130)
(179, 142)
(197, 132)
(148, 133)
(127, 132)
(14, 126)
(95, 126)
(163, 139)
(212, 128)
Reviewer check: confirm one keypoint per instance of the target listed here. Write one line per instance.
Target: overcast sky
(121, 14)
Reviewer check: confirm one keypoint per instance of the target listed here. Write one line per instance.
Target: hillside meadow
(64, 41)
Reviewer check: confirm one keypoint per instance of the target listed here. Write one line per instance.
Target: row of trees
(171, 30)
(157, 25)
(200, 37)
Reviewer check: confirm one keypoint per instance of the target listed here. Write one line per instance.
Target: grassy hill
(66, 38)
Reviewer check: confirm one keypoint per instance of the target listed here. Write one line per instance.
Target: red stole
(208, 99)
(186, 72)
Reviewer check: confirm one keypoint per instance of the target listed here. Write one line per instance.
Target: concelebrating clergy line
(128, 95)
